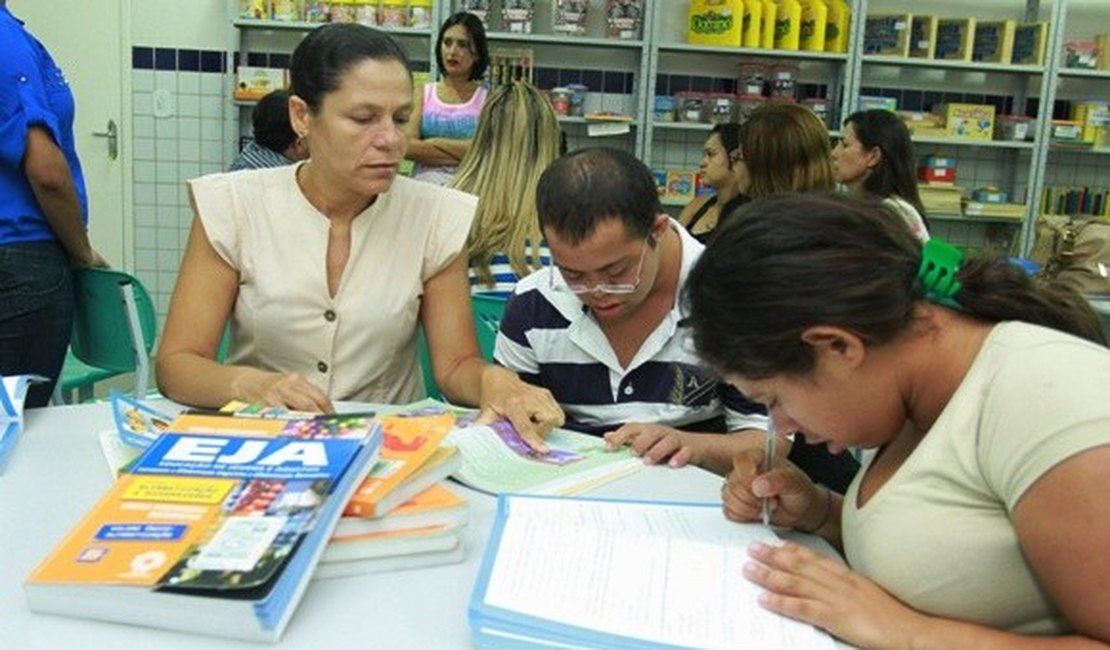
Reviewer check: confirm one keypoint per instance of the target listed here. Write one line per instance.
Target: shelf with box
(716, 61)
(971, 89)
(589, 54)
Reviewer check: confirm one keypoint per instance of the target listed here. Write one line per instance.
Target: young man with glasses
(601, 328)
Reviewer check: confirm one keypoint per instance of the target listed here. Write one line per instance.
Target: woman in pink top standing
(447, 112)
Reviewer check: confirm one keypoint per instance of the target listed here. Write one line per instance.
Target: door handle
(113, 139)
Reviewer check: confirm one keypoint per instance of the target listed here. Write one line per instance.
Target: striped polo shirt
(550, 339)
(504, 277)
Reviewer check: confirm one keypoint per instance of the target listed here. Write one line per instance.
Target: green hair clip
(940, 262)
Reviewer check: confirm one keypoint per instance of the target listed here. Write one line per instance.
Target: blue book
(13, 392)
(223, 525)
(578, 573)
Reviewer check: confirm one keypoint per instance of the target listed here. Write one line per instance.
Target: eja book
(218, 527)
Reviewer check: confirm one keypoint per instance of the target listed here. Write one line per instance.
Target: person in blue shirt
(275, 143)
(43, 209)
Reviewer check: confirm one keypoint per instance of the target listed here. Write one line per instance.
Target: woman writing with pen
(982, 518)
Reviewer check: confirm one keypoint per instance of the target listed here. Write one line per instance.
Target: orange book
(436, 505)
(409, 442)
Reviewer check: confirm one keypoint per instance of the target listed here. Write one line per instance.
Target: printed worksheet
(665, 573)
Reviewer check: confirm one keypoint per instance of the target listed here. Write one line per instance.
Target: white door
(91, 42)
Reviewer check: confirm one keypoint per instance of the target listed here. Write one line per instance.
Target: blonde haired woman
(516, 139)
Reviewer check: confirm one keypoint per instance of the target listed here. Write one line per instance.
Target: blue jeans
(36, 313)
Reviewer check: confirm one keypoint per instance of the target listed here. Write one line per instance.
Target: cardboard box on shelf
(973, 121)
(923, 37)
(994, 41)
(887, 34)
(955, 38)
(1029, 43)
(252, 83)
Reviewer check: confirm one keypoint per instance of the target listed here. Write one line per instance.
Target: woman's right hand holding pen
(797, 501)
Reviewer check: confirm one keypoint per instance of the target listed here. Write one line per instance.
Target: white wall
(200, 24)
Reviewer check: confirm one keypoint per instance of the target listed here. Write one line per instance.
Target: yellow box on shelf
(887, 34)
(994, 41)
(972, 121)
(715, 22)
(1029, 43)
(923, 37)
(253, 83)
(955, 38)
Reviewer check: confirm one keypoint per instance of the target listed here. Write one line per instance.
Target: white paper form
(664, 573)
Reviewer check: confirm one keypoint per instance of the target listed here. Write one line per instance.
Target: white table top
(57, 472)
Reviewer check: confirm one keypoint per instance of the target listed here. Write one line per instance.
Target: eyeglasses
(614, 284)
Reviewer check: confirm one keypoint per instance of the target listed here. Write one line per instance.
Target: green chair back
(487, 311)
(101, 332)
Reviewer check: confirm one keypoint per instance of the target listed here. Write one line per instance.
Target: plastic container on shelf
(783, 77)
(752, 27)
(420, 14)
(819, 106)
(663, 109)
(715, 22)
(767, 33)
(689, 106)
(254, 9)
(746, 105)
(1013, 127)
(560, 100)
(344, 11)
(516, 16)
(317, 11)
(286, 11)
(479, 8)
(815, 16)
(569, 17)
(623, 18)
(720, 108)
(788, 25)
(366, 12)
(751, 78)
(393, 14)
(577, 99)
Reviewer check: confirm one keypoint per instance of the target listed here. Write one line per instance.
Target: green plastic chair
(114, 327)
(487, 311)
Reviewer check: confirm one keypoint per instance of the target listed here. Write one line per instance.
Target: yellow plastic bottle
(750, 32)
(839, 17)
(788, 25)
(767, 32)
(815, 15)
(715, 22)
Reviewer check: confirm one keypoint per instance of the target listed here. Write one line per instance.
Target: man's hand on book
(656, 443)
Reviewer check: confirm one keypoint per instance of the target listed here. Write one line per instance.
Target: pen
(768, 462)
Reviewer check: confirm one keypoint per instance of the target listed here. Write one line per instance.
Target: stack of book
(220, 519)
(402, 516)
(941, 199)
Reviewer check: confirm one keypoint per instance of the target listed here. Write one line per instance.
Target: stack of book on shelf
(221, 520)
(997, 210)
(13, 392)
(402, 516)
(941, 198)
(560, 573)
